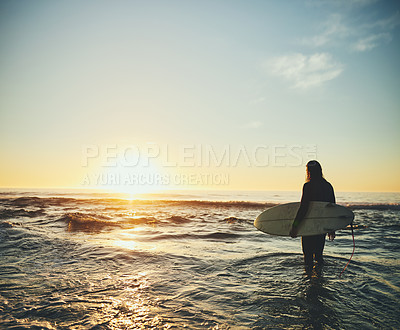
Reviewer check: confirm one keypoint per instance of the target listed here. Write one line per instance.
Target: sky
(139, 95)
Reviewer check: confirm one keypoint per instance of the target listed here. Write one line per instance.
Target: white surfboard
(321, 218)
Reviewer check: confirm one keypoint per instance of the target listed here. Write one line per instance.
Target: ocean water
(85, 260)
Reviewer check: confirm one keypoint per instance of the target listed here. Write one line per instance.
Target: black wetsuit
(315, 190)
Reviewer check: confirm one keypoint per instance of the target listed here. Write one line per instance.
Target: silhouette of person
(316, 188)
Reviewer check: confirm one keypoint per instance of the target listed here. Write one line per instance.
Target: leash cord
(354, 247)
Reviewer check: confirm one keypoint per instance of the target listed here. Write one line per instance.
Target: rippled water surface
(82, 261)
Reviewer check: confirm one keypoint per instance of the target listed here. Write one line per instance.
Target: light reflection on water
(158, 265)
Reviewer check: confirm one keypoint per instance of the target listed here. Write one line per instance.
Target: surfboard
(321, 218)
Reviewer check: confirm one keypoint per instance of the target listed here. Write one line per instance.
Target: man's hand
(293, 232)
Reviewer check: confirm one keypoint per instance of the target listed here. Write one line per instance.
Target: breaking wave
(44, 202)
(83, 222)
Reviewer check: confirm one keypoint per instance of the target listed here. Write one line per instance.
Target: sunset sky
(202, 94)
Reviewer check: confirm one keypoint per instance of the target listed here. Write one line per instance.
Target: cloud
(339, 31)
(376, 33)
(340, 3)
(303, 71)
(388, 23)
(347, 29)
(333, 29)
(372, 41)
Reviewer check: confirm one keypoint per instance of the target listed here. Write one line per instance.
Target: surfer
(316, 188)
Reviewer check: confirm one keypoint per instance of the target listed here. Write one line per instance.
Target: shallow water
(81, 261)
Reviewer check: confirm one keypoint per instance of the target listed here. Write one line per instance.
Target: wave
(93, 223)
(62, 201)
(175, 219)
(377, 207)
(43, 202)
(88, 223)
(40, 202)
(6, 224)
(266, 205)
(141, 221)
(10, 213)
(236, 220)
(216, 236)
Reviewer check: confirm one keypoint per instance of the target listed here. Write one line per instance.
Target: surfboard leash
(354, 248)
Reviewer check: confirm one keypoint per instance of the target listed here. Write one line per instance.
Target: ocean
(190, 259)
